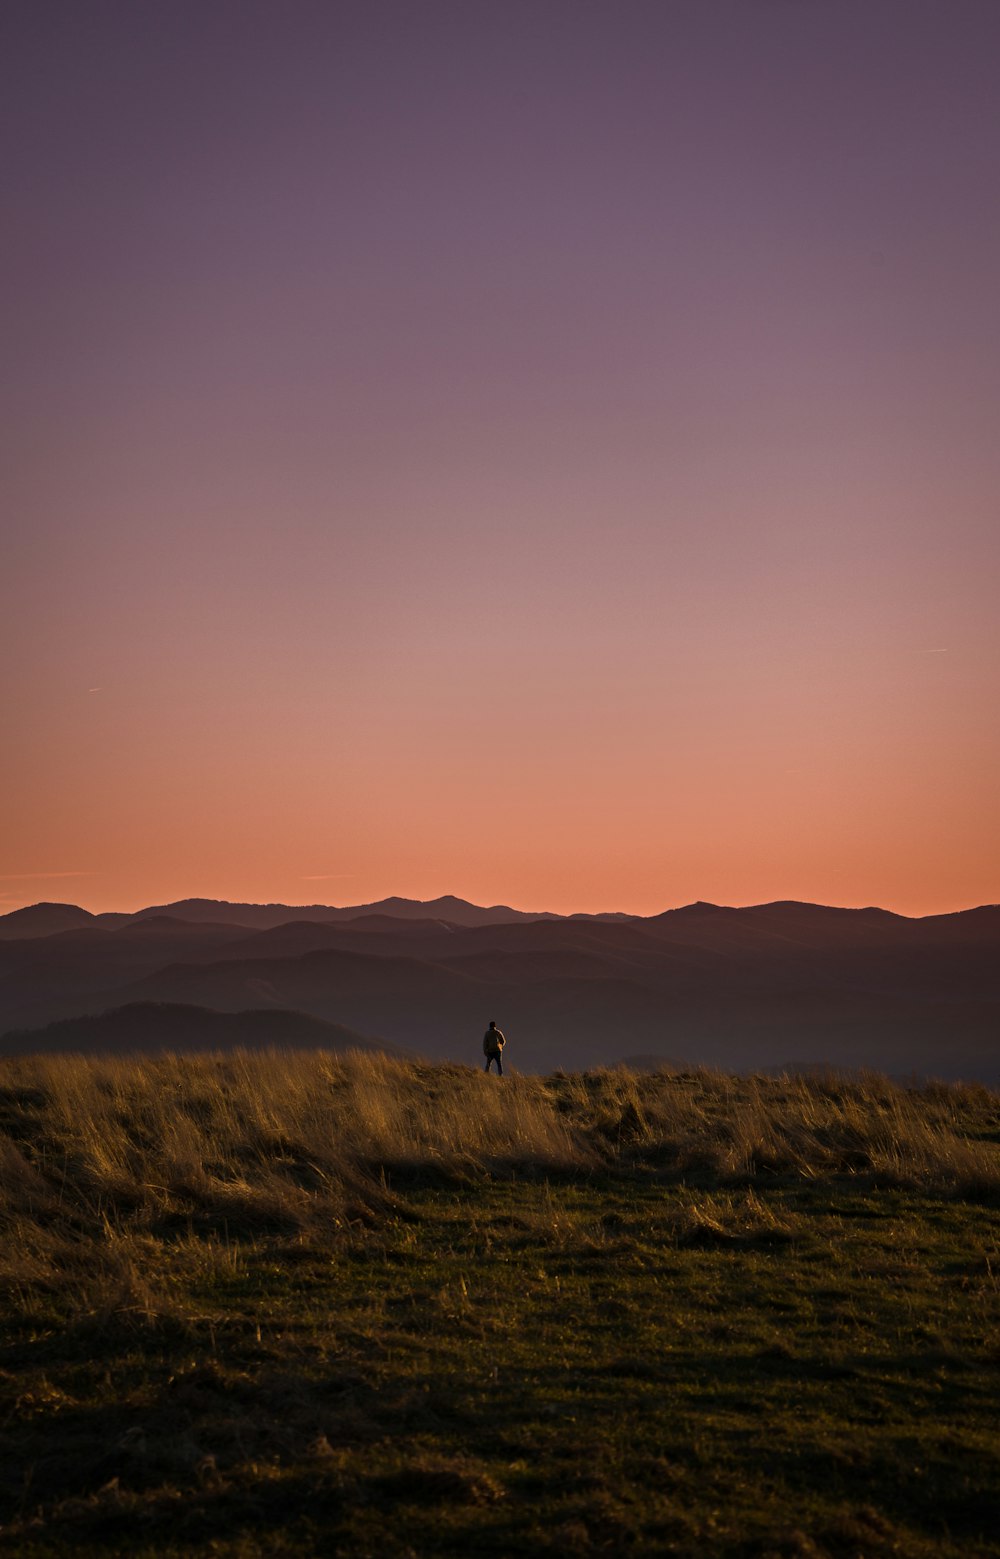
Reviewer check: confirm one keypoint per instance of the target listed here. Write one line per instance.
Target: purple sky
(547, 452)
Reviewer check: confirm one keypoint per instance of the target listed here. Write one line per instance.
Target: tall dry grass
(114, 1170)
(749, 1128)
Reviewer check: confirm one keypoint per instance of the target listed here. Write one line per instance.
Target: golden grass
(115, 1169)
(266, 1132)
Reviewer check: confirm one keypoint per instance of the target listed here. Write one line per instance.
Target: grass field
(274, 1304)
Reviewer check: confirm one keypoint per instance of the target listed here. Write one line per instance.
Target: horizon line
(374, 904)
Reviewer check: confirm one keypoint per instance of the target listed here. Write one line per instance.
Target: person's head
(493, 1023)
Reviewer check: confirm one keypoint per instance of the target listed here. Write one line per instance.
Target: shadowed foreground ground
(317, 1305)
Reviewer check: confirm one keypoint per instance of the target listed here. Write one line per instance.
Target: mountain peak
(44, 919)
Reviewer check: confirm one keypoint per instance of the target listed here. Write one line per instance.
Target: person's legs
(487, 1066)
(499, 1064)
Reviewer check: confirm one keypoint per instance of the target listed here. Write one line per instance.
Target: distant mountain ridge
(49, 919)
(742, 988)
(263, 916)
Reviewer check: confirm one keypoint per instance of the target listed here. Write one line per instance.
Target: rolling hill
(150, 1027)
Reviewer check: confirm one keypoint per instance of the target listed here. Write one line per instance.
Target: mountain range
(772, 985)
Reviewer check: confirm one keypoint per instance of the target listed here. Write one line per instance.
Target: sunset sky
(540, 450)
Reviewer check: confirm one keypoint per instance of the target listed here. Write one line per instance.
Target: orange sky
(551, 462)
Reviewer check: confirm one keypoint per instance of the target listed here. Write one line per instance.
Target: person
(493, 1043)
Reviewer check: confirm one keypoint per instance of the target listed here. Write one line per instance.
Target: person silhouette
(493, 1043)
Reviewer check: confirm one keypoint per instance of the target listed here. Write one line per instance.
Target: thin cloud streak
(40, 876)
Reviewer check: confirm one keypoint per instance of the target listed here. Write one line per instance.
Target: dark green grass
(512, 1366)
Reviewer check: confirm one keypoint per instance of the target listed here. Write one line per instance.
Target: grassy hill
(269, 1303)
(152, 1027)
